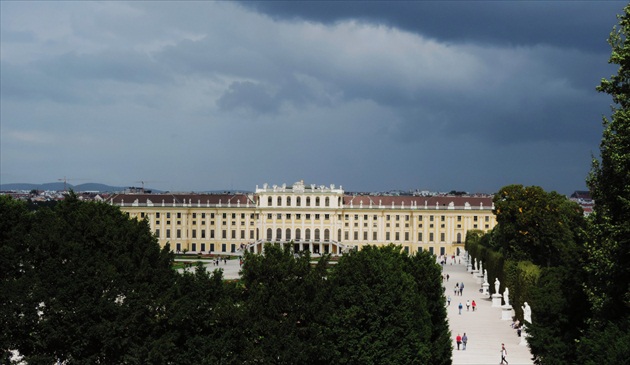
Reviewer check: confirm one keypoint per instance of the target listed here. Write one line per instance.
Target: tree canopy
(542, 227)
(82, 283)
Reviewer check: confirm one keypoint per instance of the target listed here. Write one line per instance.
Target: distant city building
(317, 218)
(583, 198)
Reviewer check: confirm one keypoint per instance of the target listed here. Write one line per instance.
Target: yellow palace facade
(317, 218)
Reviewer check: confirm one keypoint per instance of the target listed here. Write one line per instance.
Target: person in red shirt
(458, 339)
(474, 305)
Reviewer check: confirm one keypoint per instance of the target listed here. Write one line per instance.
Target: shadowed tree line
(83, 283)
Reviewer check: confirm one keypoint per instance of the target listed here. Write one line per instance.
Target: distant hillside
(59, 186)
(101, 188)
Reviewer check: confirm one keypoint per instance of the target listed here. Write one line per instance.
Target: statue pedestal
(484, 288)
(506, 313)
(523, 336)
(474, 272)
(469, 267)
(496, 300)
(479, 278)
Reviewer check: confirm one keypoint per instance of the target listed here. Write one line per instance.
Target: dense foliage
(609, 251)
(84, 284)
(534, 225)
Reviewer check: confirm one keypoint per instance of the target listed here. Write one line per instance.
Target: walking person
(461, 289)
(468, 306)
(464, 341)
(460, 307)
(458, 339)
(503, 355)
(474, 305)
(448, 300)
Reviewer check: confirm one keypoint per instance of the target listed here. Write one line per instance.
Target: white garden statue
(506, 296)
(497, 284)
(527, 313)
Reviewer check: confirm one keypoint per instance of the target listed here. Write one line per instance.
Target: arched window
(279, 201)
(326, 235)
(299, 201)
(269, 235)
(317, 202)
(459, 238)
(287, 236)
(327, 201)
(288, 201)
(298, 234)
(339, 235)
(269, 201)
(307, 234)
(279, 234)
(308, 201)
(317, 234)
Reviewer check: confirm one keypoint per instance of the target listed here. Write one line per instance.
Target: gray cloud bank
(373, 96)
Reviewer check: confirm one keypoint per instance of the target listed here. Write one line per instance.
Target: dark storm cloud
(371, 95)
(560, 23)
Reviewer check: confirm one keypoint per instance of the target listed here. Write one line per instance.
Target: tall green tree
(95, 283)
(609, 183)
(607, 338)
(537, 226)
(284, 307)
(15, 223)
(427, 274)
(379, 314)
(205, 321)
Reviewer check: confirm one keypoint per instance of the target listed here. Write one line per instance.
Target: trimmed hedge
(519, 276)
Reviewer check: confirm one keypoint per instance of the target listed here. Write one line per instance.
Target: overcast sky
(372, 96)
